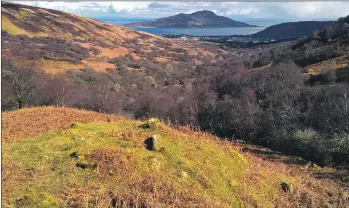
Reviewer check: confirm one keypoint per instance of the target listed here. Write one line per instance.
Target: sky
(234, 10)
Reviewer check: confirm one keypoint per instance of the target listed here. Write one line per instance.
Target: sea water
(195, 31)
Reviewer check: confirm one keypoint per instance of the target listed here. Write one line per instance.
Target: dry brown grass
(135, 56)
(314, 186)
(205, 52)
(33, 121)
(98, 65)
(85, 45)
(55, 67)
(112, 52)
(332, 64)
(49, 66)
(162, 59)
(309, 191)
(257, 69)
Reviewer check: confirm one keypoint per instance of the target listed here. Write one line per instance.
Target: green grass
(189, 168)
(24, 13)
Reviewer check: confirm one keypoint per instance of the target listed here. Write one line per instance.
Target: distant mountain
(290, 30)
(204, 19)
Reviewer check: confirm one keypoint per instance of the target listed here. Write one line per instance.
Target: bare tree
(21, 78)
(104, 99)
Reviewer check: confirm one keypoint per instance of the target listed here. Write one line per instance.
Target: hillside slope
(24, 20)
(112, 163)
(290, 30)
(59, 41)
(199, 19)
(321, 50)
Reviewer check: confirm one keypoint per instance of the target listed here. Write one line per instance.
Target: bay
(194, 31)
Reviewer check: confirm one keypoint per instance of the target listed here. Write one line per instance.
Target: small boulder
(74, 125)
(151, 123)
(151, 143)
(74, 155)
(82, 165)
(144, 126)
(285, 187)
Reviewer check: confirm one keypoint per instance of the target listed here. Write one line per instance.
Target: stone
(74, 125)
(82, 165)
(74, 155)
(285, 187)
(151, 123)
(151, 143)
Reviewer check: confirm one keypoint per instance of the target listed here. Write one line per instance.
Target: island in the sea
(199, 19)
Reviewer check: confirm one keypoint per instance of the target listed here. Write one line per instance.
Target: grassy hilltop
(61, 157)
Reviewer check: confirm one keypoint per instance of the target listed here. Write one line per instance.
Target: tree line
(275, 107)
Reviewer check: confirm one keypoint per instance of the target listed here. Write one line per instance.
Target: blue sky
(234, 10)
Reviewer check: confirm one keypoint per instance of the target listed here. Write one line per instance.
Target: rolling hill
(60, 41)
(199, 19)
(290, 30)
(322, 49)
(108, 161)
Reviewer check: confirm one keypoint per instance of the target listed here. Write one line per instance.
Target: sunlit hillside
(59, 41)
(74, 158)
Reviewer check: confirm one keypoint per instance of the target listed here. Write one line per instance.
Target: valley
(100, 115)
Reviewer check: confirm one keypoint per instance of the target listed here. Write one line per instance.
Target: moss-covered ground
(107, 163)
(97, 163)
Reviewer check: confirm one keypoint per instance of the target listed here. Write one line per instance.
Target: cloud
(272, 10)
(317, 9)
(157, 5)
